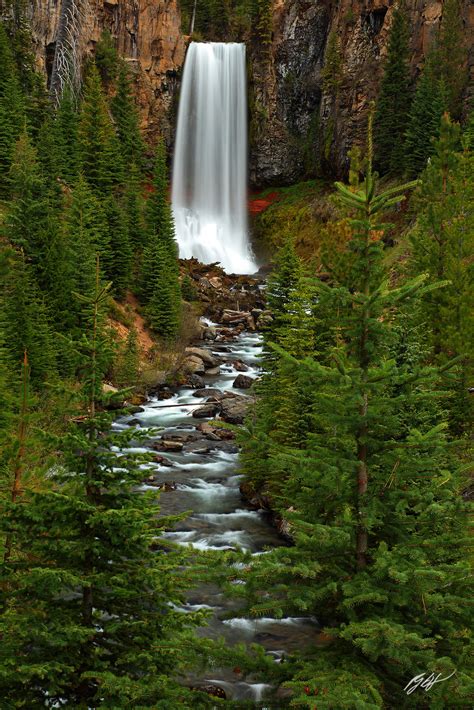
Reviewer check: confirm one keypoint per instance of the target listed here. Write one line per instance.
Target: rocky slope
(295, 127)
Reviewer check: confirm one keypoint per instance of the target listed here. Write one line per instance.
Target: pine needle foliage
(370, 492)
(429, 104)
(87, 616)
(161, 291)
(394, 99)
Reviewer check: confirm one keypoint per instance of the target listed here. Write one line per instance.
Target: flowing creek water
(206, 481)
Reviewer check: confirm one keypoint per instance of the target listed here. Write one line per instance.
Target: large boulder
(209, 392)
(243, 382)
(195, 381)
(210, 409)
(204, 355)
(235, 409)
(194, 365)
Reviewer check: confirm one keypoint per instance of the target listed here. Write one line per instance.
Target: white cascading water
(209, 193)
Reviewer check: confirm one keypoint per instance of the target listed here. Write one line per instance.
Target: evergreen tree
(443, 247)
(128, 361)
(98, 145)
(160, 272)
(452, 56)
(331, 74)
(120, 267)
(87, 607)
(371, 496)
(31, 219)
(134, 208)
(12, 108)
(87, 232)
(393, 103)
(25, 322)
(428, 105)
(125, 114)
(65, 132)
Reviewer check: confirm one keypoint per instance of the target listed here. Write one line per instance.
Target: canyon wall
(296, 129)
(146, 33)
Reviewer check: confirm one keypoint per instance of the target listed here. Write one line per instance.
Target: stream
(203, 476)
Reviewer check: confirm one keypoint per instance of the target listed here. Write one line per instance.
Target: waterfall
(210, 162)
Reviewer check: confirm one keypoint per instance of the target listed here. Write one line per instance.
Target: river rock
(170, 445)
(216, 433)
(195, 381)
(162, 460)
(199, 447)
(194, 365)
(243, 382)
(228, 447)
(213, 371)
(234, 409)
(209, 333)
(208, 392)
(204, 355)
(240, 366)
(210, 409)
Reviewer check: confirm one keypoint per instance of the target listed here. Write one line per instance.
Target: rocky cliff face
(147, 34)
(296, 127)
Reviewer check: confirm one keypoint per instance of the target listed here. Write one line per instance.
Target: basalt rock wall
(147, 33)
(298, 130)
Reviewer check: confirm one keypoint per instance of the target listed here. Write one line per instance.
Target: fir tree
(31, 219)
(126, 119)
(331, 74)
(452, 55)
(372, 499)
(85, 234)
(12, 108)
(25, 322)
(393, 103)
(120, 267)
(87, 606)
(443, 247)
(134, 208)
(98, 145)
(428, 105)
(160, 273)
(65, 133)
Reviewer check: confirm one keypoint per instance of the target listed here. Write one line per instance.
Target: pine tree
(443, 247)
(125, 114)
(25, 322)
(85, 233)
(331, 74)
(99, 149)
(65, 132)
(87, 607)
(452, 56)
(30, 219)
(372, 499)
(12, 108)
(393, 103)
(429, 104)
(134, 208)
(120, 267)
(128, 361)
(160, 272)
